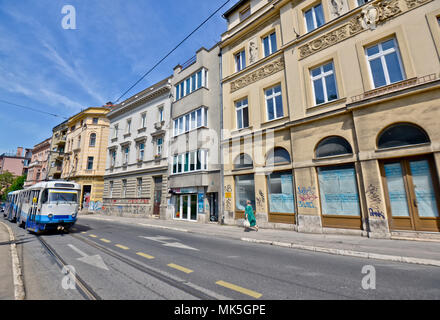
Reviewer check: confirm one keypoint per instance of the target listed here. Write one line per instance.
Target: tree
(6, 180)
(17, 184)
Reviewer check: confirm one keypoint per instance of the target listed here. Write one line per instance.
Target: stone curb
(350, 253)
(19, 292)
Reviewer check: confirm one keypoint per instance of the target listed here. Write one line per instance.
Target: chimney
(19, 151)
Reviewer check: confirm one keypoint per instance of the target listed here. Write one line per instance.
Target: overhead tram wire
(33, 109)
(174, 49)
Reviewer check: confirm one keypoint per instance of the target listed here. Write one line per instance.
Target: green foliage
(14, 185)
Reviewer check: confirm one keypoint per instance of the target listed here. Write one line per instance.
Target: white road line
(19, 292)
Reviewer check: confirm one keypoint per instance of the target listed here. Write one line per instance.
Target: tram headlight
(74, 215)
(50, 215)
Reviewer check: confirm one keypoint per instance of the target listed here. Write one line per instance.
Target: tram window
(64, 196)
(44, 196)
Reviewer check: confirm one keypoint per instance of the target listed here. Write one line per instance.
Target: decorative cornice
(373, 14)
(263, 72)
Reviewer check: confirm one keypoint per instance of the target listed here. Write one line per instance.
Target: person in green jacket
(249, 215)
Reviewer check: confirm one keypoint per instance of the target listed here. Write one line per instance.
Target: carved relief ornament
(257, 75)
(372, 15)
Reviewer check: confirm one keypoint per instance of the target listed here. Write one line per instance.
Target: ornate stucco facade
(360, 90)
(85, 153)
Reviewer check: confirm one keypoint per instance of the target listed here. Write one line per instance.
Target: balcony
(395, 87)
(61, 141)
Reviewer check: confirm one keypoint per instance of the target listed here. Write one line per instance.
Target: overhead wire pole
(32, 109)
(174, 49)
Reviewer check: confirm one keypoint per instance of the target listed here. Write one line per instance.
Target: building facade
(85, 153)
(194, 157)
(15, 163)
(56, 155)
(361, 88)
(137, 155)
(37, 168)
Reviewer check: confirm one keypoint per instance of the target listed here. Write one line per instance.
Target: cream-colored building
(353, 146)
(85, 153)
(56, 153)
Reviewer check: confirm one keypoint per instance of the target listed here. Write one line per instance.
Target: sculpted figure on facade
(337, 8)
(253, 51)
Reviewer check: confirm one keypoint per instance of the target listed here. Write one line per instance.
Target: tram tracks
(89, 294)
(84, 289)
(187, 287)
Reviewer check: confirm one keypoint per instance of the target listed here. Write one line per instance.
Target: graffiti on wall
(307, 197)
(95, 206)
(373, 195)
(260, 200)
(228, 198)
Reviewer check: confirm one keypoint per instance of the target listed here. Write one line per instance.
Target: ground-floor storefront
(92, 190)
(142, 194)
(194, 197)
(368, 170)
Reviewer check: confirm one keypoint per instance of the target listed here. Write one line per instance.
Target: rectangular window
(190, 161)
(240, 61)
(160, 114)
(274, 103)
(338, 190)
(115, 131)
(126, 154)
(159, 146)
(139, 187)
(324, 84)
(113, 158)
(141, 151)
(385, 63)
(270, 44)
(314, 17)
(191, 84)
(90, 163)
(95, 121)
(190, 121)
(244, 190)
(281, 197)
(241, 108)
(175, 164)
(362, 2)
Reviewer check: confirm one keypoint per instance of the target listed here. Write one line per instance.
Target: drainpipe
(222, 196)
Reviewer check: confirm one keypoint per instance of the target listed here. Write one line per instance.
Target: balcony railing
(394, 87)
(189, 62)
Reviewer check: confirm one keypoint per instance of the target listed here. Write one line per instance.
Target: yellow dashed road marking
(245, 291)
(180, 268)
(83, 232)
(105, 240)
(122, 247)
(93, 236)
(145, 255)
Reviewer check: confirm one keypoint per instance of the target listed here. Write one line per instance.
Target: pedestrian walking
(249, 215)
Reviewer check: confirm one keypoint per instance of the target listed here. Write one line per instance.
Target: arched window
(92, 140)
(333, 146)
(243, 161)
(278, 155)
(402, 134)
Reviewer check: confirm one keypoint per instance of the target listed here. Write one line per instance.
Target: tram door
(34, 205)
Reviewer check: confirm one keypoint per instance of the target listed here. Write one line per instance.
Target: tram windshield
(58, 196)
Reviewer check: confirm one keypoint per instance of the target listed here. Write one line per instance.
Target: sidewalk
(6, 275)
(418, 252)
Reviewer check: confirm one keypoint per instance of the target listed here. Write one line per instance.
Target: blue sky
(63, 71)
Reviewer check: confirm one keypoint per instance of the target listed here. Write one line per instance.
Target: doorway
(186, 207)
(157, 195)
(87, 191)
(412, 193)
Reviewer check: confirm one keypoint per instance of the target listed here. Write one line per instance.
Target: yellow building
(85, 153)
(358, 104)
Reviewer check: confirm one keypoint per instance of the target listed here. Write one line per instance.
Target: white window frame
(141, 152)
(321, 77)
(240, 60)
(124, 188)
(159, 146)
(112, 158)
(381, 54)
(115, 132)
(241, 110)
(126, 155)
(271, 51)
(181, 123)
(128, 126)
(315, 23)
(273, 96)
(192, 159)
(139, 187)
(183, 90)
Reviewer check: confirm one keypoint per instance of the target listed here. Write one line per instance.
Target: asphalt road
(121, 261)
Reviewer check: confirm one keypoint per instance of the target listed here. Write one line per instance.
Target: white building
(135, 182)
